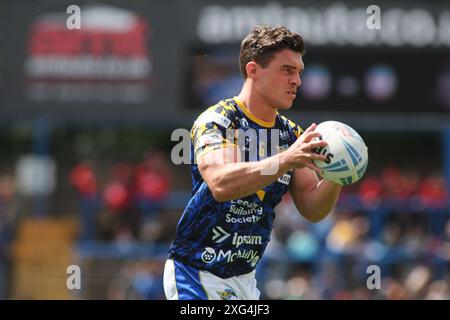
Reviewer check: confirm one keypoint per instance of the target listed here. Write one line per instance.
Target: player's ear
(251, 68)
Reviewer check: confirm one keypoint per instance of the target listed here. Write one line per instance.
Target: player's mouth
(293, 93)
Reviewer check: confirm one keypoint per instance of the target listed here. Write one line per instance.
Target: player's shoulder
(222, 113)
(290, 125)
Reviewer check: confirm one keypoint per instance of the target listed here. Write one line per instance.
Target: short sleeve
(211, 131)
(295, 129)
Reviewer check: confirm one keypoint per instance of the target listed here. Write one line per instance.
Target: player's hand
(301, 153)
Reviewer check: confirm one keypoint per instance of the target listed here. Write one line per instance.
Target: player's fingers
(311, 128)
(316, 156)
(317, 144)
(311, 135)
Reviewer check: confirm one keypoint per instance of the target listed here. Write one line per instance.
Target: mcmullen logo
(209, 255)
(107, 56)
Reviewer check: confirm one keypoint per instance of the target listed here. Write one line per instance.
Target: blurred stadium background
(86, 117)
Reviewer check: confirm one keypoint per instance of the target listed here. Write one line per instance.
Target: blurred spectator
(348, 234)
(329, 280)
(117, 197)
(298, 288)
(416, 281)
(133, 195)
(391, 233)
(393, 289)
(370, 191)
(150, 231)
(438, 290)
(82, 177)
(8, 217)
(152, 185)
(137, 281)
(273, 289)
(302, 246)
(147, 281)
(8, 207)
(434, 192)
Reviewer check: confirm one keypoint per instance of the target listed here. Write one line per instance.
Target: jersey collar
(262, 123)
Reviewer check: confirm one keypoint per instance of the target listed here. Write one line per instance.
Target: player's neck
(256, 105)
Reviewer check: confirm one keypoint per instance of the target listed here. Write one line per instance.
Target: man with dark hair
(262, 44)
(226, 225)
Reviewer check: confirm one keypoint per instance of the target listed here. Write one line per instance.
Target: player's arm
(314, 198)
(229, 179)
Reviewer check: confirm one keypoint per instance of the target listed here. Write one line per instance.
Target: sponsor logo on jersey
(208, 255)
(220, 235)
(285, 179)
(244, 123)
(245, 212)
(211, 116)
(244, 208)
(249, 219)
(250, 212)
(227, 294)
(246, 239)
(250, 256)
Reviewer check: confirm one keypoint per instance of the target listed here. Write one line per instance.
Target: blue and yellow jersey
(229, 238)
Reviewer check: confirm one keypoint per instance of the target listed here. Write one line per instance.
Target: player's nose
(296, 80)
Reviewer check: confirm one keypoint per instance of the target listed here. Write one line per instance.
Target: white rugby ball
(346, 152)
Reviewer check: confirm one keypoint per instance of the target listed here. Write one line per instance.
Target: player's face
(279, 81)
